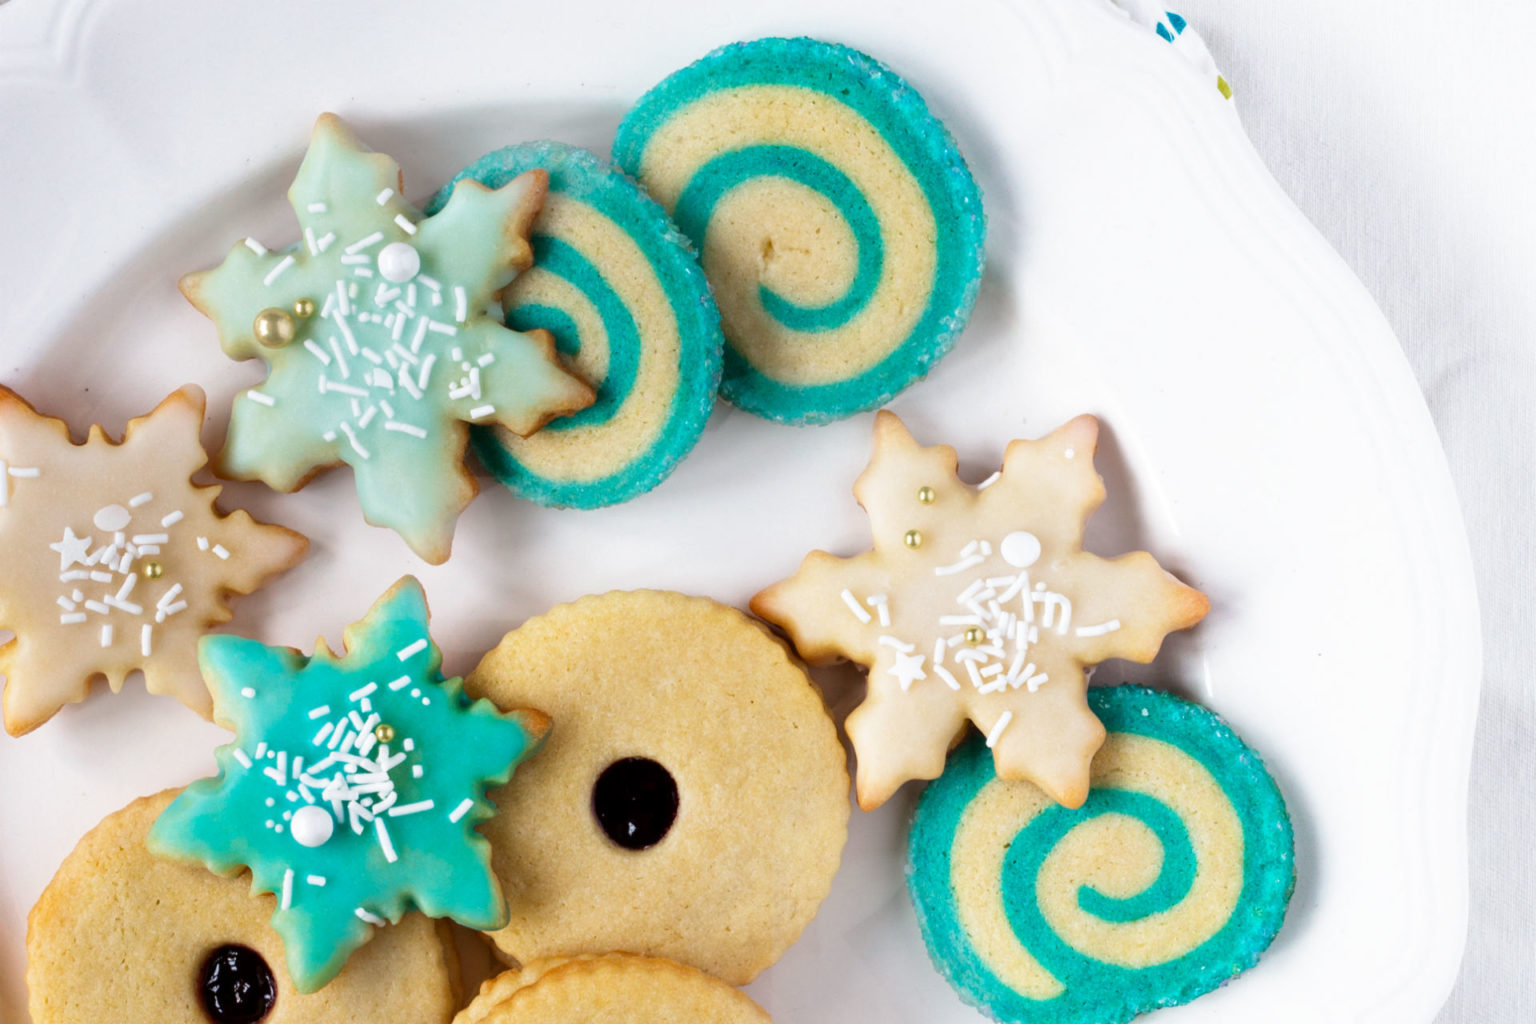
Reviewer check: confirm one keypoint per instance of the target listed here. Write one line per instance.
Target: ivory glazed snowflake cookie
(383, 338)
(353, 785)
(114, 560)
(979, 604)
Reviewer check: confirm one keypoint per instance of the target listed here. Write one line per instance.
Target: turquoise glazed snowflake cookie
(622, 294)
(383, 338)
(354, 784)
(1170, 880)
(834, 216)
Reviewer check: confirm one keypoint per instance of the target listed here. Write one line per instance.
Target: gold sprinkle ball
(925, 495)
(273, 327)
(304, 308)
(913, 539)
(153, 570)
(384, 732)
(974, 635)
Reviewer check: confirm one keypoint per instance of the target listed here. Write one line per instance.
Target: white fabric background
(1406, 131)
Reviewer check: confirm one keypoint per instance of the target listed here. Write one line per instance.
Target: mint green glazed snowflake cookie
(383, 338)
(353, 786)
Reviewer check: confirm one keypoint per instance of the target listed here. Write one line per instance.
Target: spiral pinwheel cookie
(621, 293)
(979, 604)
(379, 339)
(835, 218)
(1172, 878)
(120, 935)
(114, 560)
(353, 786)
(692, 801)
(616, 988)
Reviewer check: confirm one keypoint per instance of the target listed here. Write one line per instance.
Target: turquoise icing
(1096, 991)
(919, 139)
(580, 175)
(697, 204)
(284, 706)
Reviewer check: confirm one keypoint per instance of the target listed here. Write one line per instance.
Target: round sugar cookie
(121, 935)
(612, 989)
(691, 800)
(1170, 880)
(836, 220)
(629, 309)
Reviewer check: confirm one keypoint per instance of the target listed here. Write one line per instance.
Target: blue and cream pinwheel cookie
(353, 785)
(622, 294)
(381, 339)
(835, 218)
(1171, 879)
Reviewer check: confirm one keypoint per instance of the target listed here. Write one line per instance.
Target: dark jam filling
(236, 986)
(635, 801)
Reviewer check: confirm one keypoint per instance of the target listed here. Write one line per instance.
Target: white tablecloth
(1406, 130)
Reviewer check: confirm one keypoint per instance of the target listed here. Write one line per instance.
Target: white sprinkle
(880, 604)
(169, 610)
(363, 243)
(1035, 682)
(242, 757)
(140, 499)
(309, 240)
(485, 360)
(320, 712)
(401, 683)
(255, 247)
(441, 328)
(420, 335)
(989, 481)
(373, 357)
(1100, 629)
(261, 398)
(202, 543)
(416, 808)
(272, 275)
(346, 428)
(405, 224)
(425, 373)
(411, 649)
(316, 351)
(891, 641)
(97, 606)
(461, 810)
(384, 197)
(66, 604)
(72, 619)
(416, 771)
(960, 566)
(315, 880)
(938, 652)
(854, 606)
(998, 727)
(460, 304)
(221, 551)
(362, 691)
(384, 843)
(367, 417)
(248, 692)
(372, 919)
(944, 674)
(480, 411)
(171, 518)
(345, 389)
(287, 900)
(146, 639)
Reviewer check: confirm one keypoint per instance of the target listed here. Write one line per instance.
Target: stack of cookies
(637, 799)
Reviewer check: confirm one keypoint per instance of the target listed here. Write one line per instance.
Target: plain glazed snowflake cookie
(621, 293)
(834, 216)
(381, 340)
(616, 988)
(353, 787)
(114, 560)
(1171, 878)
(979, 604)
(692, 800)
(120, 935)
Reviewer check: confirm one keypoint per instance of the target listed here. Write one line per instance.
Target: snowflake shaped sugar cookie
(114, 561)
(979, 604)
(382, 337)
(353, 785)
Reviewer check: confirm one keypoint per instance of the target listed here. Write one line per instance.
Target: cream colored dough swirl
(1114, 853)
(593, 451)
(773, 231)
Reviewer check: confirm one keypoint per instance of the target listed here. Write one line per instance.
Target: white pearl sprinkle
(399, 262)
(1020, 549)
(312, 825)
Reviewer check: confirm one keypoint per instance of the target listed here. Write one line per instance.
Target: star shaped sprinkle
(114, 561)
(979, 604)
(383, 338)
(353, 786)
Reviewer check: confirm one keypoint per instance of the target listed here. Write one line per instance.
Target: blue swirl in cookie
(837, 221)
(619, 290)
(1171, 879)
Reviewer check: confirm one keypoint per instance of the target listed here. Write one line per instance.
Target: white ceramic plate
(1265, 437)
